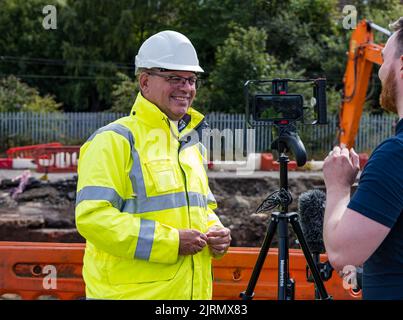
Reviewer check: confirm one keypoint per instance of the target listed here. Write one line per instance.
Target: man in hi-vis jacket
(143, 200)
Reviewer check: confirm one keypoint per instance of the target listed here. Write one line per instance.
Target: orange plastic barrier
(233, 271)
(24, 270)
(292, 165)
(28, 152)
(57, 159)
(266, 162)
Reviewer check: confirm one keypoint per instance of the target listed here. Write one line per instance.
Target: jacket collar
(150, 114)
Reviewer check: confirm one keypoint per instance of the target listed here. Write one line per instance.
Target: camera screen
(277, 107)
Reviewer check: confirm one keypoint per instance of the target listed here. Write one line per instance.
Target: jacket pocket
(163, 175)
(127, 271)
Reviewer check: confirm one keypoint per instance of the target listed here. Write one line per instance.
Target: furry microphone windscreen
(311, 208)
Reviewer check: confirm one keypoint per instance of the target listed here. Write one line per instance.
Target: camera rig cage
(280, 107)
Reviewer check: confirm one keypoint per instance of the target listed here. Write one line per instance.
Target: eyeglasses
(176, 81)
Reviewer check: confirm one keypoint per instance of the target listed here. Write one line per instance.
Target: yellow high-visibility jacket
(139, 182)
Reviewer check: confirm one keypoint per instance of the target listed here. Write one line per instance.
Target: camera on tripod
(282, 108)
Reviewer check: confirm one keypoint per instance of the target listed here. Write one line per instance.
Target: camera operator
(368, 229)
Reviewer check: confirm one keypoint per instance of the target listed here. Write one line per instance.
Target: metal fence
(31, 128)
(318, 139)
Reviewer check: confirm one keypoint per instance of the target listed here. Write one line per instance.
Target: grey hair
(140, 70)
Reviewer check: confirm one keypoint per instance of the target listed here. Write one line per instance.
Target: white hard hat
(168, 50)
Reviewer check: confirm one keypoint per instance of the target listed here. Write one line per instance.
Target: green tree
(95, 40)
(208, 23)
(27, 50)
(242, 57)
(102, 39)
(124, 94)
(18, 96)
(381, 13)
(297, 32)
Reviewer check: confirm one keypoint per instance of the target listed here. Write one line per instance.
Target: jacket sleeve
(212, 218)
(103, 170)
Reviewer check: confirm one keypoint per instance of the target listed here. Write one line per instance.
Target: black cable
(39, 76)
(56, 62)
(276, 198)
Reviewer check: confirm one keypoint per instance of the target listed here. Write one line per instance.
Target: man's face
(171, 95)
(388, 74)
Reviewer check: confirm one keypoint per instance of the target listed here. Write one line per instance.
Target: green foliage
(102, 38)
(124, 93)
(18, 96)
(236, 40)
(243, 56)
(11, 141)
(25, 45)
(296, 33)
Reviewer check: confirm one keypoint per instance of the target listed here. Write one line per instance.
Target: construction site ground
(44, 211)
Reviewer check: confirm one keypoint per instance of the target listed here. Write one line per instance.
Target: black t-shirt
(379, 196)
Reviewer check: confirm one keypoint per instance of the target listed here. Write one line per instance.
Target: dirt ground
(44, 211)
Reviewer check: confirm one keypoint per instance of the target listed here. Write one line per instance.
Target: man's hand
(218, 240)
(191, 242)
(340, 168)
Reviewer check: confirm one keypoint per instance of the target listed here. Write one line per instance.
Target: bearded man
(368, 228)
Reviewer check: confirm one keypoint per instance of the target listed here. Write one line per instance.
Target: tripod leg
(283, 254)
(312, 266)
(316, 260)
(248, 294)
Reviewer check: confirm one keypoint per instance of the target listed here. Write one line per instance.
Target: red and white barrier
(18, 163)
(50, 157)
(6, 163)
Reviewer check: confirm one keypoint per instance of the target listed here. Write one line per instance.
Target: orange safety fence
(28, 152)
(57, 159)
(233, 271)
(26, 270)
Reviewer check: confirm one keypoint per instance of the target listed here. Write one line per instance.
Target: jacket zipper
(187, 197)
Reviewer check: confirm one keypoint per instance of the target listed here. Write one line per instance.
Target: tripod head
(288, 140)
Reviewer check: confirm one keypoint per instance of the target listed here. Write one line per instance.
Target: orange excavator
(362, 54)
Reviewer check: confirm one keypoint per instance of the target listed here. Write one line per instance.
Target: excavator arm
(362, 54)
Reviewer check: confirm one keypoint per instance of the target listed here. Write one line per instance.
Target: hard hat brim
(170, 66)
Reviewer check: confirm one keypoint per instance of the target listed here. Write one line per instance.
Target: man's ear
(143, 82)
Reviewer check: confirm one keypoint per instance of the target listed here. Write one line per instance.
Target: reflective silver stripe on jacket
(211, 199)
(145, 240)
(117, 128)
(100, 193)
(163, 202)
(156, 203)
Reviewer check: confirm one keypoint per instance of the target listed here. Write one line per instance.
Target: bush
(18, 96)
(124, 93)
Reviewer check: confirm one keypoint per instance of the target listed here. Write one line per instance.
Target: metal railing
(74, 128)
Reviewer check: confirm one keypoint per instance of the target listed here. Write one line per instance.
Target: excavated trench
(44, 211)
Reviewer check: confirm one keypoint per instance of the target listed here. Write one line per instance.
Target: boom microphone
(311, 208)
